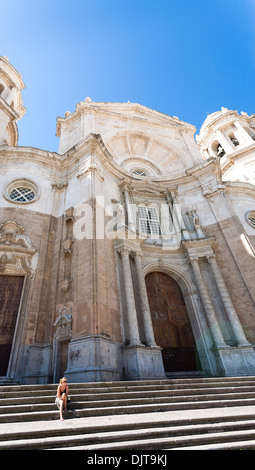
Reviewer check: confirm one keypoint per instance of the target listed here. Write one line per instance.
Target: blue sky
(184, 58)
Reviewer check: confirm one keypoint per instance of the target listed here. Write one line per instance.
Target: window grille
(251, 218)
(139, 172)
(22, 194)
(149, 220)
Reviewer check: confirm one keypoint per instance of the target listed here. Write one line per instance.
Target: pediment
(104, 118)
(133, 111)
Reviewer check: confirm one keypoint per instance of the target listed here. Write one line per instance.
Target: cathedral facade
(130, 253)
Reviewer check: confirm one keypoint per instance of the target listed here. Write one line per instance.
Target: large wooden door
(10, 295)
(171, 323)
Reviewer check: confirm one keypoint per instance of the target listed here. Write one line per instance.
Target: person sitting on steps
(61, 398)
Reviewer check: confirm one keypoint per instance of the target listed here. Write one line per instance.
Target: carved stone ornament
(16, 250)
(194, 217)
(3, 262)
(67, 246)
(59, 186)
(65, 284)
(86, 169)
(63, 324)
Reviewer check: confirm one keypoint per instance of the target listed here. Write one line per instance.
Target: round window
(251, 218)
(22, 194)
(21, 191)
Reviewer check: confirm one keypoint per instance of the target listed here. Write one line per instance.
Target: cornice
(7, 108)
(125, 111)
(95, 144)
(73, 162)
(240, 152)
(31, 154)
(237, 187)
(211, 164)
(5, 64)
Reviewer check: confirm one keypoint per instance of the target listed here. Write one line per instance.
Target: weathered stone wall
(85, 289)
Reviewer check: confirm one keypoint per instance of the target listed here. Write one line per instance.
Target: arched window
(139, 172)
(217, 149)
(233, 139)
(250, 216)
(220, 151)
(251, 132)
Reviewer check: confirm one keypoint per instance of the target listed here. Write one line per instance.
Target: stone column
(227, 302)
(209, 310)
(148, 328)
(225, 142)
(247, 139)
(130, 299)
(129, 208)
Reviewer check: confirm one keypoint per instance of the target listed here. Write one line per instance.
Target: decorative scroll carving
(16, 250)
(63, 324)
(12, 234)
(59, 186)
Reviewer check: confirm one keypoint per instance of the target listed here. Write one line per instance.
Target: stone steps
(41, 403)
(18, 398)
(169, 443)
(131, 415)
(39, 412)
(150, 438)
(145, 438)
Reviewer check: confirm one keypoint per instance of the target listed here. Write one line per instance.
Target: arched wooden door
(10, 295)
(171, 323)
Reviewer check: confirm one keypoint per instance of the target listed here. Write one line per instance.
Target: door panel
(171, 323)
(10, 295)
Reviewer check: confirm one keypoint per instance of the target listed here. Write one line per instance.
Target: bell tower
(230, 137)
(11, 103)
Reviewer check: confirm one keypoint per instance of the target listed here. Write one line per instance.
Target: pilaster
(140, 361)
(148, 328)
(231, 361)
(227, 302)
(210, 312)
(130, 299)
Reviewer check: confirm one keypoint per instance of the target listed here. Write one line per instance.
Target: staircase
(194, 413)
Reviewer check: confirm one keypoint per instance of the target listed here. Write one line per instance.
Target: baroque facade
(129, 254)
